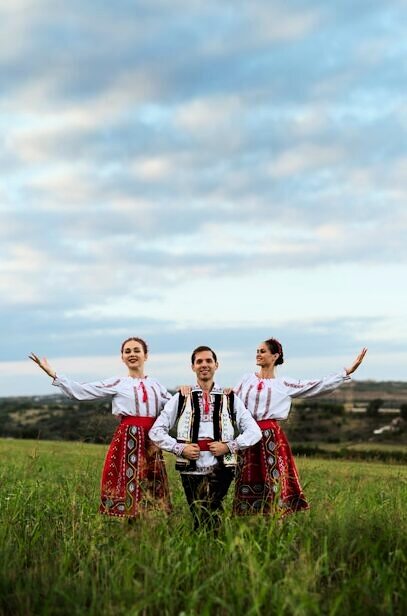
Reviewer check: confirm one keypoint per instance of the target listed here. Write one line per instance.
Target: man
(205, 444)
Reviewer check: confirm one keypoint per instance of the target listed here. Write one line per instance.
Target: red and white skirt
(267, 480)
(134, 478)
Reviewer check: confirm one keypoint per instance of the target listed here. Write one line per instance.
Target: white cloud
(22, 258)
(20, 290)
(216, 121)
(65, 184)
(304, 158)
(397, 177)
(276, 22)
(153, 168)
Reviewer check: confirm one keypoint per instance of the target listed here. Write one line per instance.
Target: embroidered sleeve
(86, 391)
(159, 433)
(309, 389)
(233, 446)
(178, 449)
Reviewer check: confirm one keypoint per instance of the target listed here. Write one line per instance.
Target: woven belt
(266, 423)
(204, 443)
(140, 422)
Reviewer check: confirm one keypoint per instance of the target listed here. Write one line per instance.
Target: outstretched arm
(310, 389)
(74, 389)
(357, 362)
(43, 364)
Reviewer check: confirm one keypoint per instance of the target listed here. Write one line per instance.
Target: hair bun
(275, 347)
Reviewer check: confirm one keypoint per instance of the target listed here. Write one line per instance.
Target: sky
(197, 172)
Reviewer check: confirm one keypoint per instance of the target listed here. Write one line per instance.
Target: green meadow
(347, 555)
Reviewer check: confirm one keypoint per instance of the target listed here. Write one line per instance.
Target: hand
(357, 361)
(218, 449)
(185, 390)
(227, 390)
(43, 364)
(191, 451)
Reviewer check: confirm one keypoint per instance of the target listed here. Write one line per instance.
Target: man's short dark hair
(203, 348)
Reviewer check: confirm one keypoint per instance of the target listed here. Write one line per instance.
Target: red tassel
(206, 403)
(260, 386)
(143, 387)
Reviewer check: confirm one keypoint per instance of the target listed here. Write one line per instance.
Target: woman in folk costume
(267, 479)
(134, 478)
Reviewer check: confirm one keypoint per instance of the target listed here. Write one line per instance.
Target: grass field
(347, 555)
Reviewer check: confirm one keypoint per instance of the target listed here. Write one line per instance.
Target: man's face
(204, 366)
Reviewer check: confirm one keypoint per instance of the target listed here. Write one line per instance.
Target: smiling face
(264, 357)
(204, 366)
(133, 355)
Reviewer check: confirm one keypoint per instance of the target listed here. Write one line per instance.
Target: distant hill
(339, 417)
(394, 392)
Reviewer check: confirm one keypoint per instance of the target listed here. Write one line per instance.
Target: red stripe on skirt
(134, 478)
(267, 479)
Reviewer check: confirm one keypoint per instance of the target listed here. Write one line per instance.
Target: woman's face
(133, 354)
(264, 357)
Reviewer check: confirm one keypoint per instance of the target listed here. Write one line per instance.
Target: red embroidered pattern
(246, 400)
(267, 479)
(134, 476)
(136, 400)
(300, 385)
(206, 407)
(156, 401)
(144, 390)
(108, 384)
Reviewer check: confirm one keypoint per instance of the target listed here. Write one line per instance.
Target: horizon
(174, 389)
(178, 371)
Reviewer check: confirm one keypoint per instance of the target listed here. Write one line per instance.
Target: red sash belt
(204, 443)
(140, 422)
(266, 423)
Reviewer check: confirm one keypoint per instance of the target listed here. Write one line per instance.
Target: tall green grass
(347, 555)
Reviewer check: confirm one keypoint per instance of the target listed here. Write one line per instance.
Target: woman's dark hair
(274, 346)
(199, 350)
(140, 340)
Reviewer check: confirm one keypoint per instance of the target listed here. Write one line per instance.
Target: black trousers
(205, 494)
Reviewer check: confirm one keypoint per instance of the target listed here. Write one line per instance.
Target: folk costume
(201, 418)
(134, 478)
(267, 479)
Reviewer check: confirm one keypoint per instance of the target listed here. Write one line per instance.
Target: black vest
(185, 465)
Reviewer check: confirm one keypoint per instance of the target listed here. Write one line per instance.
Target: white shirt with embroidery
(135, 397)
(159, 433)
(271, 398)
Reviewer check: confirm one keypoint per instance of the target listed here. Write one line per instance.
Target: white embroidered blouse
(271, 398)
(140, 397)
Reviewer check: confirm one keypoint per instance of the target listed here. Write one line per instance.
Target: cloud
(148, 145)
(311, 349)
(304, 158)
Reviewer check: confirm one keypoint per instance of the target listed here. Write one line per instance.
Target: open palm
(43, 364)
(357, 361)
